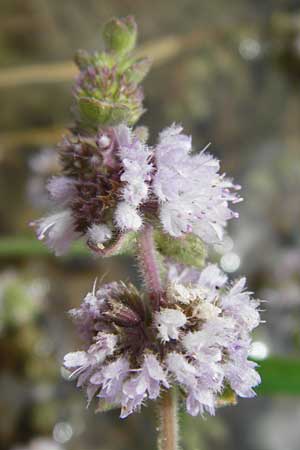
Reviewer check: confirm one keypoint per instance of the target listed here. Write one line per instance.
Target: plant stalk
(148, 265)
(168, 427)
(168, 421)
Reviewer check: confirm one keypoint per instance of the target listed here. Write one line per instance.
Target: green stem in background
(168, 427)
(168, 421)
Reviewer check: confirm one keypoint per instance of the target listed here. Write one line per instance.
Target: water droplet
(62, 432)
(249, 49)
(230, 262)
(259, 350)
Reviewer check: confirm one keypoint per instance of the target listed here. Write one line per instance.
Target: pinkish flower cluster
(193, 196)
(113, 182)
(198, 338)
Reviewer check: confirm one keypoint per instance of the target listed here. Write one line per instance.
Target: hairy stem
(148, 264)
(168, 421)
(168, 429)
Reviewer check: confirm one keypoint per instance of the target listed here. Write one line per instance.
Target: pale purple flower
(57, 231)
(168, 323)
(113, 179)
(193, 196)
(241, 373)
(127, 217)
(62, 190)
(217, 331)
(238, 303)
(145, 384)
(112, 377)
(212, 278)
(103, 346)
(184, 372)
(134, 155)
(90, 312)
(199, 398)
(200, 401)
(98, 234)
(84, 364)
(228, 315)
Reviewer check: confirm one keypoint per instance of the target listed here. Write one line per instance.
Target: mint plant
(186, 336)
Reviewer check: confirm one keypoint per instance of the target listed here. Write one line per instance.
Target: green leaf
(279, 376)
(188, 250)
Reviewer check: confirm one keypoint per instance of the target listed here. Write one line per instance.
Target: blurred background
(230, 73)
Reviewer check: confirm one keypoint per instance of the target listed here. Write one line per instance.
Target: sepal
(96, 112)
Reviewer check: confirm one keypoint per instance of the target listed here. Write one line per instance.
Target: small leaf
(186, 250)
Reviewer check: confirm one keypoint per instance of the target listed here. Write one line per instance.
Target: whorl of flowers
(104, 181)
(113, 182)
(198, 337)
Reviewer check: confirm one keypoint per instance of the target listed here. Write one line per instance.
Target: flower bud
(120, 35)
